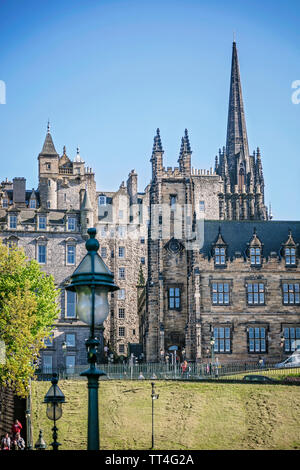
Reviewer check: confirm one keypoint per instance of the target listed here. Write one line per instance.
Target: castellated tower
(62, 181)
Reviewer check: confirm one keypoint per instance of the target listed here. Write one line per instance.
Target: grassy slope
(187, 415)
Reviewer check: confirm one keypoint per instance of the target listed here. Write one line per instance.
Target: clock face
(174, 246)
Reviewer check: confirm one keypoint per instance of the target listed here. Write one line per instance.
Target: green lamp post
(54, 399)
(212, 344)
(92, 281)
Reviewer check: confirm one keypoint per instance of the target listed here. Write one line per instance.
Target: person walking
(16, 428)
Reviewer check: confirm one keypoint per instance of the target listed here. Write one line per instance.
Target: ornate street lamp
(54, 399)
(212, 344)
(92, 281)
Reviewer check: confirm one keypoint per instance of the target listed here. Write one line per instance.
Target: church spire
(48, 147)
(237, 140)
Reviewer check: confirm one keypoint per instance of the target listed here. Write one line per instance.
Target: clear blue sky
(108, 73)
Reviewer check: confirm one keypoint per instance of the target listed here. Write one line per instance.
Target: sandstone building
(196, 255)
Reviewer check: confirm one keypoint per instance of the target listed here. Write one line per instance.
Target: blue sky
(108, 73)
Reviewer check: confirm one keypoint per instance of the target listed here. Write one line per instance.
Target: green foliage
(28, 308)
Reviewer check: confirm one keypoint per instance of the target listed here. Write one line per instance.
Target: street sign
(173, 348)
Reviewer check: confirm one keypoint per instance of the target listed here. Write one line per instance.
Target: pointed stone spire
(86, 202)
(48, 147)
(185, 155)
(157, 145)
(237, 140)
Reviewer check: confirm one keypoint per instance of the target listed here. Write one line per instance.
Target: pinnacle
(157, 145)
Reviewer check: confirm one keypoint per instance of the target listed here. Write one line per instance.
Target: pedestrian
(5, 442)
(261, 362)
(16, 428)
(141, 377)
(184, 367)
(19, 442)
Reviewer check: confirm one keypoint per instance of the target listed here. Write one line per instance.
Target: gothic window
(290, 256)
(42, 254)
(71, 254)
(291, 293)
(42, 222)
(13, 221)
(220, 259)
(222, 336)
(241, 179)
(291, 336)
(256, 293)
(220, 293)
(257, 342)
(174, 298)
(70, 304)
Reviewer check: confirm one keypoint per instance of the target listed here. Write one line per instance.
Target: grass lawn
(187, 415)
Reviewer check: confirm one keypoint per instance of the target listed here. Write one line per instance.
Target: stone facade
(172, 249)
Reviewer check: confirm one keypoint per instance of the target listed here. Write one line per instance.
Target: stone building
(195, 255)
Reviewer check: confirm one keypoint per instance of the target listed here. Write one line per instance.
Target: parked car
(292, 361)
(258, 378)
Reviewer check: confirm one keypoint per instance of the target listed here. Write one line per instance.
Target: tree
(28, 309)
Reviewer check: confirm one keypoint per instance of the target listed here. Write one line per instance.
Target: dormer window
(255, 256)
(71, 224)
(290, 256)
(12, 221)
(42, 222)
(5, 202)
(220, 256)
(102, 200)
(32, 204)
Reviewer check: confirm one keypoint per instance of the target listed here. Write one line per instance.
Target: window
(121, 313)
(121, 331)
(32, 204)
(71, 304)
(42, 222)
(121, 251)
(121, 273)
(47, 364)
(121, 294)
(133, 332)
(70, 340)
(121, 348)
(219, 256)
(5, 202)
(71, 223)
(122, 231)
(103, 232)
(202, 206)
(70, 254)
(291, 338)
(255, 256)
(291, 294)
(42, 254)
(102, 200)
(257, 340)
(220, 293)
(13, 221)
(142, 260)
(222, 340)
(103, 252)
(256, 293)
(290, 256)
(121, 214)
(173, 201)
(48, 204)
(70, 364)
(48, 165)
(174, 298)
(142, 240)
(49, 182)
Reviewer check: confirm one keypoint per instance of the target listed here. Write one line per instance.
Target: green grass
(187, 415)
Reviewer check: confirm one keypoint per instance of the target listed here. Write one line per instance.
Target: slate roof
(237, 235)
